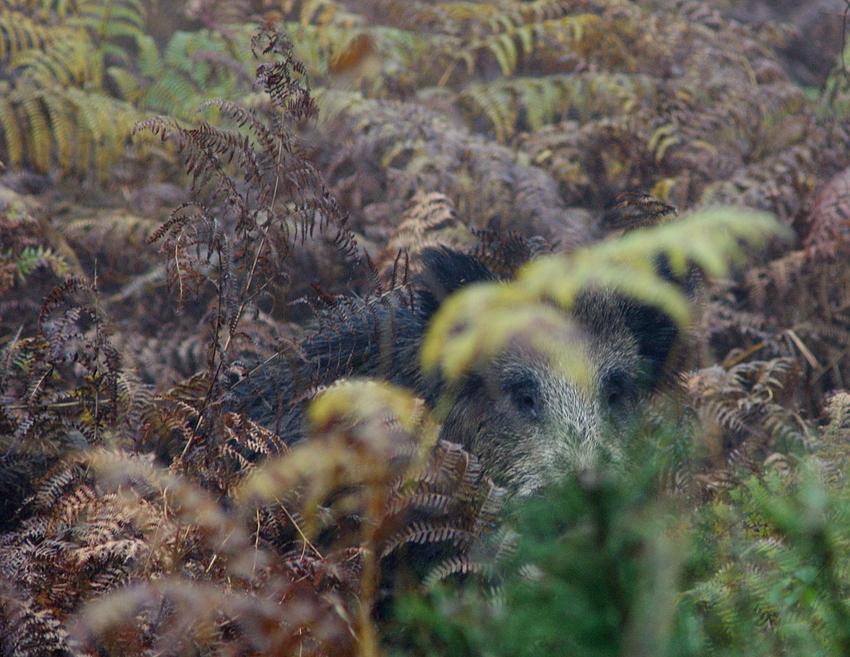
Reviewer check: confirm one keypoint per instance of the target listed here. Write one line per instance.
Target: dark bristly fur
(519, 412)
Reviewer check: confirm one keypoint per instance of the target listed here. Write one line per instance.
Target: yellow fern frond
(63, 131)
(545, 100)
(60, 8)
(19, 33)
(69, 62)
(580, 32)
(507, 38)
(12, 137)
(78, 131)
(110, 19)
(460, 12)
(110, 123)
(328, 12)
(38, 140)
(496, 103)
(541, 10)
(109, 231)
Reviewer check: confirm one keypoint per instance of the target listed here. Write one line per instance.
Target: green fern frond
(172, 94)
(129, 86)
(195, 66)
(33, 257)
(776, 579)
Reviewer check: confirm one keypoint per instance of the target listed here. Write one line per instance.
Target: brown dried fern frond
(829, 233)
(796, 305)
(74, 540)
(744, 405)
(296, 592)
(60, 387)
(394, 150)
(282, 191)
(173, 615)
(262, 197)
(367, 501)
(26, 630)
(88, 350)
(429, 221)
(211, 531)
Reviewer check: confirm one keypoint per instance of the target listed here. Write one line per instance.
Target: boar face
(530, 421)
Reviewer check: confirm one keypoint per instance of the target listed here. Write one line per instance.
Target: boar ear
(660, 340)
(657, 337)
(445, 271)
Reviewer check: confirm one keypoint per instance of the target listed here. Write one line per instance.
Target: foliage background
(432, 121)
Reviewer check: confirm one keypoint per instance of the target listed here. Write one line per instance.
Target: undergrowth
(616, 566)
(139, 515)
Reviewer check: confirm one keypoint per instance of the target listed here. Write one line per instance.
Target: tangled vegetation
(184, 189)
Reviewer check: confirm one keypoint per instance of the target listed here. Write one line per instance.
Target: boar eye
(618, 389)
(525, 395)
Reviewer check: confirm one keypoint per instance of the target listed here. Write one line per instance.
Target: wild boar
(520, 412)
